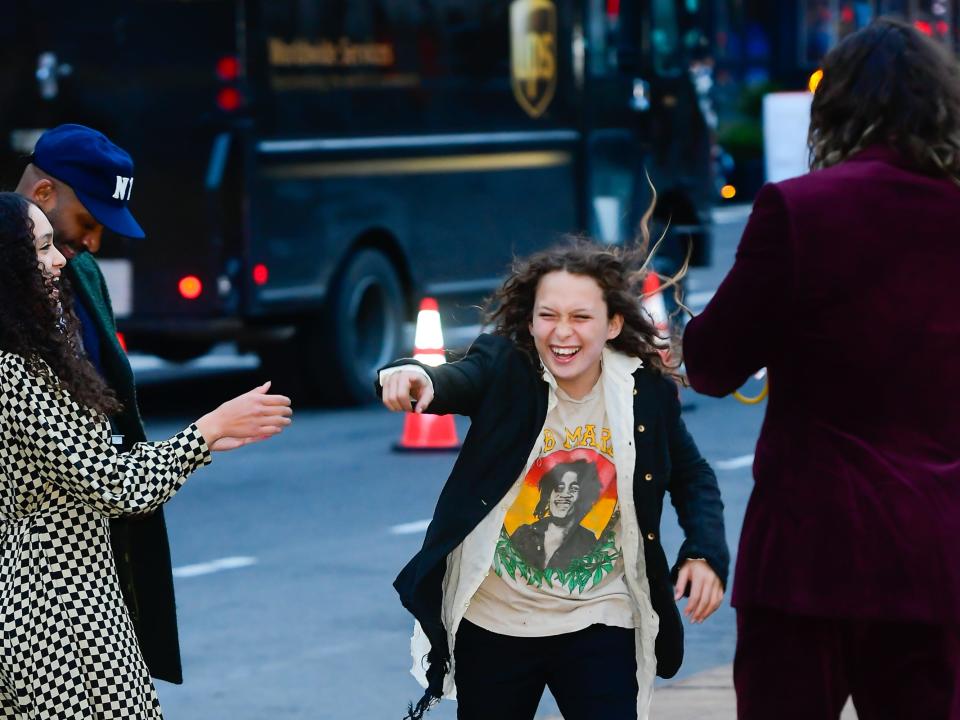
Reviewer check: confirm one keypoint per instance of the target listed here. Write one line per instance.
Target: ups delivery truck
(307, 170)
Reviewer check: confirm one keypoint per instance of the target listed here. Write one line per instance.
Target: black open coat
(140, 546)
(505, 396)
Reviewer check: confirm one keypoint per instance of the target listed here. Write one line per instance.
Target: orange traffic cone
(653, 303)
(424, 432)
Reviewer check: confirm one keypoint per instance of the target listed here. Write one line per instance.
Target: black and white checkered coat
(67, 648)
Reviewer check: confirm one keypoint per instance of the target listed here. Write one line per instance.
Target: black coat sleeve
(695, 494)
(460, 386)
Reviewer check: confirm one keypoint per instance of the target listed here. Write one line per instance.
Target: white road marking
(734, 463)
(417, 526)
(729, 214)
(699, 299)
(140, 363)
(227, 563)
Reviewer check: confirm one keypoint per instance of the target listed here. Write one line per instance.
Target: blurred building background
(759, 47)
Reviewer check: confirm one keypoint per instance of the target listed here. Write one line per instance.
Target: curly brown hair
(890, 84)
(36, 325)
(619, 271)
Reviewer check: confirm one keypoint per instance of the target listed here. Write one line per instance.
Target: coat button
(641, 428)
(651, 536)
(634, 391)
(648, 477)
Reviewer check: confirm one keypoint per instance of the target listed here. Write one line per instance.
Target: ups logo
(533, 54)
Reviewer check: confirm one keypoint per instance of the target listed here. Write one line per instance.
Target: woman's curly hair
(888, 83)
(34, 324)
(620, 272)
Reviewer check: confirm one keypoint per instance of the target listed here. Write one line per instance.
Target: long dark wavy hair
(620, 272)
(35, 325)
(889, 84)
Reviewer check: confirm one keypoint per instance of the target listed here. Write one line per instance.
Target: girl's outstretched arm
(456, 387)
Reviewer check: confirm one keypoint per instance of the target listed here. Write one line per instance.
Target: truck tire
(360, 331)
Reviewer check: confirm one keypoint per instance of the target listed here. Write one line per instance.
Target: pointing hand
(402, 389)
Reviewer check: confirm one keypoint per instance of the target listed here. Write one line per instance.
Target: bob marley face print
(559, 532)
(568, 492)
(564, 496)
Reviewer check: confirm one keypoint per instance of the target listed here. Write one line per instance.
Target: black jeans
(592, 674)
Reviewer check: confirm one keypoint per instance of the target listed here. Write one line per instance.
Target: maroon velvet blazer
(846, 286)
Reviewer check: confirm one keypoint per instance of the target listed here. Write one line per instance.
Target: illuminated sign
(533, 54)
(327, 53)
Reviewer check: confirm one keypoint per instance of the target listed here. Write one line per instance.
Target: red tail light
(260, 274)
(190, 287)
(228, 68)
(923, 26)
(229, 99)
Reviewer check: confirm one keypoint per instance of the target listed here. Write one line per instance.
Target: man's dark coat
(140, 544)
(499, 388)
(846, 286)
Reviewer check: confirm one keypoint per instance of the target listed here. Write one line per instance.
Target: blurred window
(932, 18)
(613, 36)
(726, 39)
(852, 16)
(603, 29)
(825, 22)
(818, 30)
(665, 38)
(897, 8)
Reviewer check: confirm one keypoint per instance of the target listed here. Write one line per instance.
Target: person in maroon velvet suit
(846, 286)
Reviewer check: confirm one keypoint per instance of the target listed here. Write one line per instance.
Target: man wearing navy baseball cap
(83, 182)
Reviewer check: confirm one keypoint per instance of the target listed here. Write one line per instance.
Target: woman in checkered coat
(68, 648)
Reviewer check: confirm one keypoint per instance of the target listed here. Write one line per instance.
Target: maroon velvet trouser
(792, 667)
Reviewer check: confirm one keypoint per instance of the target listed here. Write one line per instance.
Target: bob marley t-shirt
(558, 564)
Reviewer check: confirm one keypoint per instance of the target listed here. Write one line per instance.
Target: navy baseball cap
(98, 172)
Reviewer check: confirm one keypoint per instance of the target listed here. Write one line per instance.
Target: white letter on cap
(121, 190)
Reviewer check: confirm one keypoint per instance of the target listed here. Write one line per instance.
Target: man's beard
(69, 250)
(63, 243)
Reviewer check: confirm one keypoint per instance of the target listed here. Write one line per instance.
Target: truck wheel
(360, 331)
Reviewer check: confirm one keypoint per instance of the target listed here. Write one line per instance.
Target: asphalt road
(285, 551)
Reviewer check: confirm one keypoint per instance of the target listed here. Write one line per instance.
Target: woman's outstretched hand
(401, 388)
(246, 419)
(706, 590)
